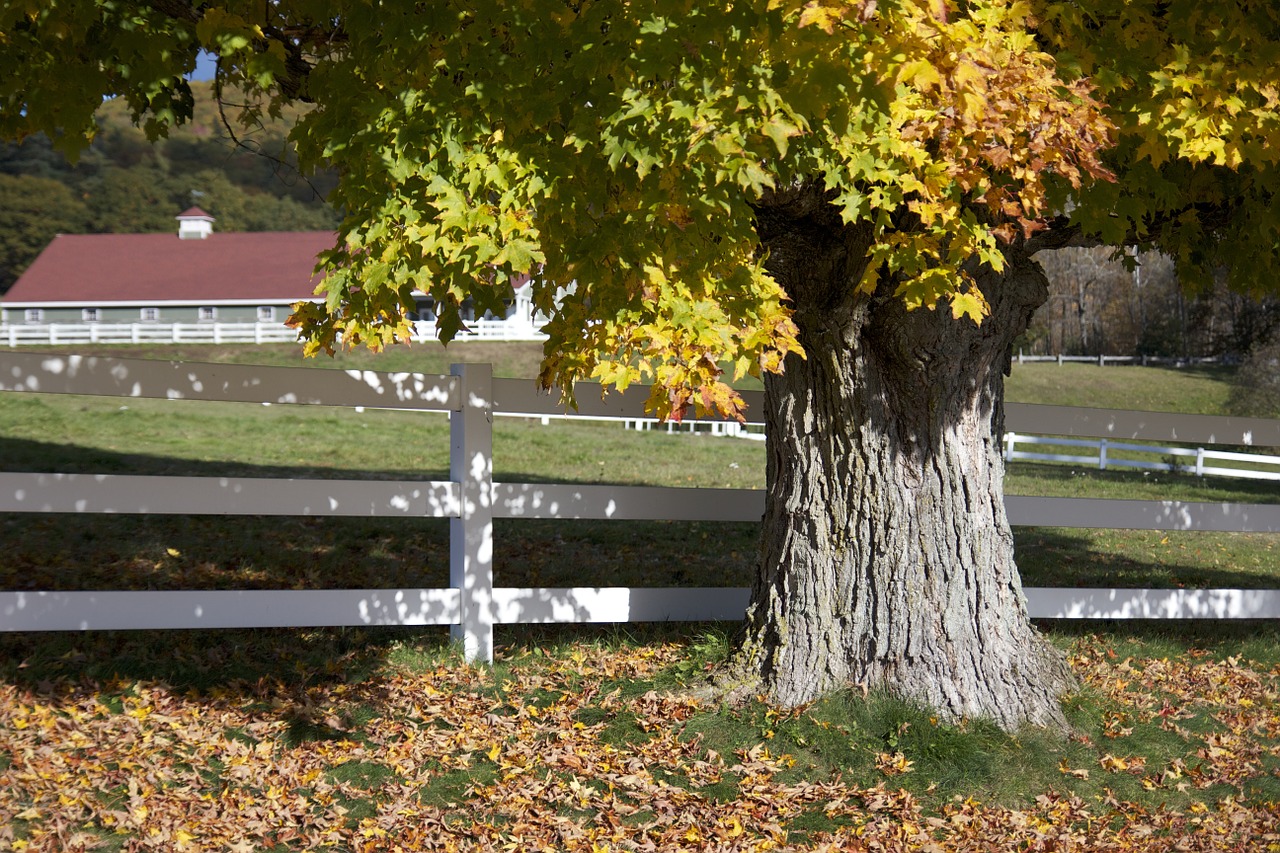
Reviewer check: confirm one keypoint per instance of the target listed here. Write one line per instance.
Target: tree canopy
(622, 151)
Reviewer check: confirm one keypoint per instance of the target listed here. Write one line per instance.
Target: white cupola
(194, 224)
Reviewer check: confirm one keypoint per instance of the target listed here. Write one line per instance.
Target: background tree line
(1102, 303)
(1105, 303)
(124, 183)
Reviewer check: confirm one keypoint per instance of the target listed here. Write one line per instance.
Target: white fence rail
(1103, 457)
(70, 334)
(1104, 360)
(471, 500)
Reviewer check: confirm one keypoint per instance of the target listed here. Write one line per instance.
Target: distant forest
(126, 184)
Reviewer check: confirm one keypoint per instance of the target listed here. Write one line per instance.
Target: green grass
(1193, 390)
(324, 693)
(54, 433)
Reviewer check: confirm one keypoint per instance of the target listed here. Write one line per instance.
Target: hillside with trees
(125, 183)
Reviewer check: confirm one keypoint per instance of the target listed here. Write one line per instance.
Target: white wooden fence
(71, 334)
(1104, 449)
(1104, 360)
(60, 334)
(472, 605)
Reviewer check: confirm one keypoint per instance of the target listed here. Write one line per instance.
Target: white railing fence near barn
(73, 334)
(472, 605)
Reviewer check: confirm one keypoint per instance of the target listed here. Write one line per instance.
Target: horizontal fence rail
(1103, 457)
(1149, 426)
(471, 500)
(69, 334)
(1103, 360)
(154, 495)
(213, 332)
(236, 383)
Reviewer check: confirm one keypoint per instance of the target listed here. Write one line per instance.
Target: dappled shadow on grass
(577, 553)
(100, 552)
(25, 455)
(205, 661)
(95, 552)
(92, 551)
(1064, 557)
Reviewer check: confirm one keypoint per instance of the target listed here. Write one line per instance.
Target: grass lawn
(583, 737)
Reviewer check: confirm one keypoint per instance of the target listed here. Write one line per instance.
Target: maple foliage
(619, 153)
(526, 761)
(1192, 91)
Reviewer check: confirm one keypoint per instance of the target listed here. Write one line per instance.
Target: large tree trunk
(887, 559)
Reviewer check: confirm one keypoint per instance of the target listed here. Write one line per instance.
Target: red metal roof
(194, 213)
(93, 269)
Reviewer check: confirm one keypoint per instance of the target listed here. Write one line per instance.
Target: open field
(582, 737)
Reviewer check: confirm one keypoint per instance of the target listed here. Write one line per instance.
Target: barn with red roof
(193, 276)
(197, 276)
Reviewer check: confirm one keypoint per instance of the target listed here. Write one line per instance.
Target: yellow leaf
(824, 17)
(921, 74)
(970, 304)
(1066, 770)
(173, 552)
(495, 752)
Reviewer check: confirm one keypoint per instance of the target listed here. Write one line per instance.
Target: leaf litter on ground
(590, 747)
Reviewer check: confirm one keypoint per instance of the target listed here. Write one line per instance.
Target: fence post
(1199, 461)
(471, 534)
(1102, 454)
(1010, 438)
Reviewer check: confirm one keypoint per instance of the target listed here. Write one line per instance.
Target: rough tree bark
(887, 559)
